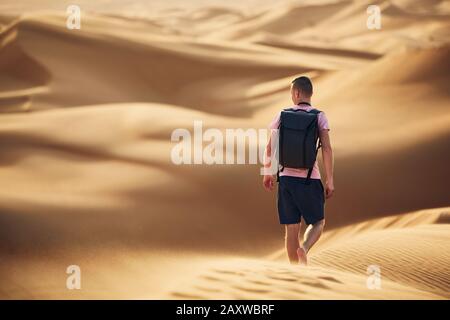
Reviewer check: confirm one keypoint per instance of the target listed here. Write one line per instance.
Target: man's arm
(327, 155)
(268, 179)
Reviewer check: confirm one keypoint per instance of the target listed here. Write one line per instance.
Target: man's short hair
(303, 84)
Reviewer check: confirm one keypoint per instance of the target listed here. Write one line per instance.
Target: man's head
(301, 90)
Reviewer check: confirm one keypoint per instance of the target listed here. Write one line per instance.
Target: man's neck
(304, 101)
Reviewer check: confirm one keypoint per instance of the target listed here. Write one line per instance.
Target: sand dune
(249, 279)
(85, 123)
(410, 267)
(21, 75)
(146, 78)
(347, 29)
(337, 269)
(282, 20)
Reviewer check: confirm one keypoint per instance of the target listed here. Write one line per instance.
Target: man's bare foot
(302, 258)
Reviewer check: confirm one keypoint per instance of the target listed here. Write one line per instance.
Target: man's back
(323, 125)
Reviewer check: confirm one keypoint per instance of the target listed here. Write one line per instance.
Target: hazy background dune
(86, 118)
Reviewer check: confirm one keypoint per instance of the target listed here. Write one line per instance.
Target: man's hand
(329, 189)
(327, 155)
(268, 182)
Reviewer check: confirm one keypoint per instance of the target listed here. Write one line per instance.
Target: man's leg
(292, 241)
(312, 234)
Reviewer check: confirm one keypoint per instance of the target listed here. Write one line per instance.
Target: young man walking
(297, 199)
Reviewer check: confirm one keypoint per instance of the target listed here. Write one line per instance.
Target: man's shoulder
(287, 108)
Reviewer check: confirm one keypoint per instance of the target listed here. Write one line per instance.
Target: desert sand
(86, 177)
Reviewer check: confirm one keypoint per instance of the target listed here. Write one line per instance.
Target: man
(295, 198)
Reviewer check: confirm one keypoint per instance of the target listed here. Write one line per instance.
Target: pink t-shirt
(323, 125)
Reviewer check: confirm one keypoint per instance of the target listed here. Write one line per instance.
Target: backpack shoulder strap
(279, 126)
(315, 111)
(308, 177)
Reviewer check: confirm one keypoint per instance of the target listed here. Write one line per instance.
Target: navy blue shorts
(297, 199)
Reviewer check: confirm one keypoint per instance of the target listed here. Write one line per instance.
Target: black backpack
(299, 139)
